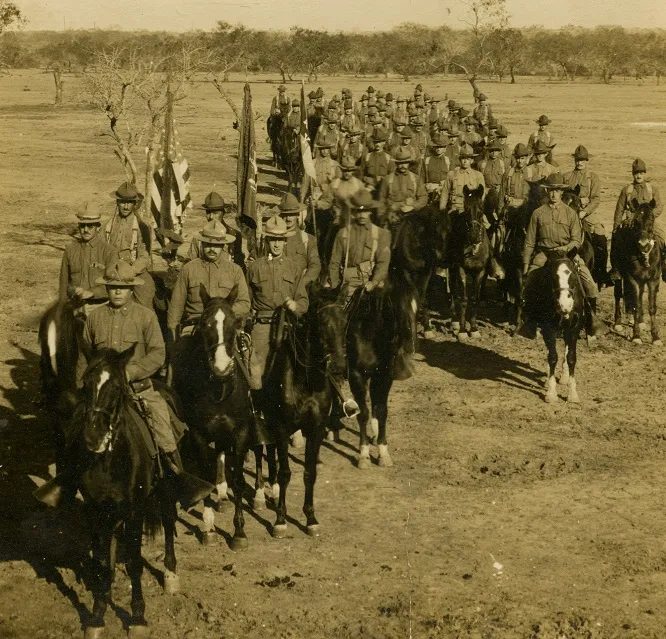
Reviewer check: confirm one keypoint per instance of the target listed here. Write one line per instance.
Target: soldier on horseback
(589, 194)
(215, 209)
(515, 188)
(554, 229)
(436, 166)
(543, 135)
(642, 190)
(482, 113)
(280, 102)
(377, 163)
(294, 118)
(451, 198)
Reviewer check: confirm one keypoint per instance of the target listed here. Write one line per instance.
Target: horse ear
(231, 298)
(652, 204)
(635, 204)
(465, 190)
(203, 294)
(572, 253)
(576, 190)
(479, 190)
(126, 355)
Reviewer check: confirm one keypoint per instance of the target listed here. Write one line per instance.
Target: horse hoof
(385, 460)
(171, 583)
(637, 340)
(330, 436)
(259, 501)
(94, 632)
(297, 440)
(455, 327)
(221, 504)
(313, 530)
(209, 538)
(138, 631)
(642, 326)
(618, 328)
(279, 531)
(463, 337)
(573, 398)
(429, 335)
(657, 342)
(475, 334)
(238, 543)
(550, 398)
(364, 463)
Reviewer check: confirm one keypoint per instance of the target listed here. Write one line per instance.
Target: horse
(291, 158)
(301, 386)
(381, 337)
(640, 266)
(554, 299)
(418, 246)
(571, 197)
(211, 379)
(120, 484)
(274, 126)
(469, 255)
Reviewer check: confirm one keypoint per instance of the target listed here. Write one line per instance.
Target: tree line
(409, 50)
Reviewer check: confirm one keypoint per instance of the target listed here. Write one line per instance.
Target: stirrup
(350, 408)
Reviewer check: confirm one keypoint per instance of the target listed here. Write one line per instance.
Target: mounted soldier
(352, 146)
(361, 251)
(349, 118)
(406, 138)
(420, 141)
(482, 113)
(589, 193)
(130, 236)
(215, 209)
(452, 198)
(85, 260)
(394, 138)
(401, 192)
(213, 271)
(501, 135)
(436, 166)
(328, 137)
(554, 229)
(280, 103)
(493, 170)
(515, 187)
(470, 135)
(377, 163)
(294, 118)
(400, 109)
(343, 188)
(390, 108)
(543, 135)
(326, 170)
(541, 168)
(300, 246)
(453, 149)
(643, 191)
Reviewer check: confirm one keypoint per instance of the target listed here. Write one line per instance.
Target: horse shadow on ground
(468, 361)
(271, 188)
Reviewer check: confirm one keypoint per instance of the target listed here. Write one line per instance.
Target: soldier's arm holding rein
(300, 298)
(382, 259)
(336, 259)
(178, 299)
(576, 235)
(594, 196)
(313, 262)
(444, 195)
(530, 241)
(659, 205)
(241, 305)
(619, 208)
(153, 360)
(421, 199)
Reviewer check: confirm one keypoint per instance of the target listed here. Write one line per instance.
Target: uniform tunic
(541, 170)
(589, 188)
(360, 255)
(643, 193)
(351, 149)
(294, 120)
(281, 103)
(395, 190)
(515, 185)
(218, 278)
(83, 262)
(272, 281)
(376, 165)
(305, 257)
(483, 113)
(452, 188)
(493, 172)
(326, 170)
(545, 136)
(470, 137)
(436, 169)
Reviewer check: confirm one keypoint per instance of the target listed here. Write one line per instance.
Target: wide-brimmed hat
(520, 150)
(389, 96)
(370, 89)
(296, 103)
(494, 145)
(323, 143)
(439, 139)
(418, 121)
(638, 166)
(276, 227)
(466, 151)
(348, 163)
(502, 131)
(119, 274)
(403, 155)
(580, 153)
(493, 123)
(452, 104)
(481, 96)
(175, 240)
(418, 88)
(213, 202)
(89, 213)
(362, 201)
(282, 88)
(555, 181)
(406, 133)
(354, 129)
(364, 97)
(289, 205)
(542, 147)
(400, 99)
(379, 135)
(312, 95)
(215, 233)
(543, 119)
(127, 192)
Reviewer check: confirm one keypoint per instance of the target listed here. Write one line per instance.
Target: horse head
(328, 323)
(571, 197)
(473, 214)
(566, 290)
(217, 326)
(105, 387)
(642, 223)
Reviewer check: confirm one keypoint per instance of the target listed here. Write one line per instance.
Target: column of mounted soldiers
(376, 159)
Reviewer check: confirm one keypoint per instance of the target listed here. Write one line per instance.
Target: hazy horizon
(345, 15)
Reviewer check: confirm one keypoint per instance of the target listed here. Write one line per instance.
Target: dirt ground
(503, 517)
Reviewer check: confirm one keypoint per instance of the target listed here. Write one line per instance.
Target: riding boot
(593, 325)
(600, 245)
(496, 271)
(663, 262)
(528, 328)
(189, 488)
(614, 275)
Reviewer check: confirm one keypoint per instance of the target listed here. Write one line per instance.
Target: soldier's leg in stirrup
(614, 274)
(660, 237)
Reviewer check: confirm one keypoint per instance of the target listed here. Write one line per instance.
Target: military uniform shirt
(552, 227)
(436, 168)
(515, 184)
(120, 328)
(540, 171)
(643, 194)
(274, 279)
(397, 187)
(124, 234)
(452, 188)
(482, 113)
(306, 258)
(377, 164)
(493, 171)
(83, 263)
(218, 278)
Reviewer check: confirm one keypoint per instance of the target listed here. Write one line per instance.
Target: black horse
(121, 486)
(381, 338)
(291, 159)
(211, 379)
(470, 256)
(554, 299)
(571, 197)
(274, 126)
(299, 387)
(418, 247)
(640, 266)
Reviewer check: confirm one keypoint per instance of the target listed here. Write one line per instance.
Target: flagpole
(165, 208)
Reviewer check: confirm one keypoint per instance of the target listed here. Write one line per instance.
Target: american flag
(171, 179)
(306, 150)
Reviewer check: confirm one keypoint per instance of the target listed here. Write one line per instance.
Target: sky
(333, 15)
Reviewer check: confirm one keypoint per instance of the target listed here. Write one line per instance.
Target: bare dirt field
(503, 517)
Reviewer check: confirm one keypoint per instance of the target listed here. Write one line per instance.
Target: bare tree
(10, 15)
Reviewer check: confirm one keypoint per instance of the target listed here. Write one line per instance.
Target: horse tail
(153, 513)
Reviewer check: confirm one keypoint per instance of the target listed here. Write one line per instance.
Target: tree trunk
(123, 154)
(284, 76)
(150, 167)
(513, 77)
(59, 82)
(405, 77)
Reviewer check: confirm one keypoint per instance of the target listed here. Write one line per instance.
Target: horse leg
(259, 501)
(312, 447)
(168, 511)
(358, 386)
(271, 452)
(641, 317)
(617, 294)
(571, 341)
(380, 386)
(653, 289)
(133, 532)
(428, 332)
(284, 476)
(637, 292)
(239, 541)
(462, 316)
(564, 377)
(221, 479)
(479, 278)
(550, 339)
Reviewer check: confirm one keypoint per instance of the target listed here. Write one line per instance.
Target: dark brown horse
(554, 299)
(640, 267)
(274, 126)
(571, 197)
(470, 257)
(291, 159)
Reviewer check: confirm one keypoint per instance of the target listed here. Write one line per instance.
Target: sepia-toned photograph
(332, 320)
